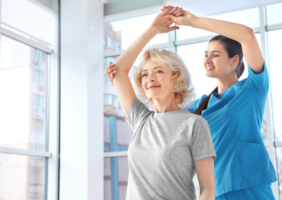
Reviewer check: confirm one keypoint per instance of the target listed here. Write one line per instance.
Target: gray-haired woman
(170, 144)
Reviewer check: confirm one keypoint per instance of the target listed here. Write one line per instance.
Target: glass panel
(248, 17)
(117, 132)
(115, 178)
(197, 186)
(279, 168)
(274, 14)
(23, 87)
(193, 56)
(21, 177)
(246, 73)
(275, 51)
(33, 19)
(263, 129)
(120, 34)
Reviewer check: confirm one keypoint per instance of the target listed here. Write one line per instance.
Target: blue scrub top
(235, 121)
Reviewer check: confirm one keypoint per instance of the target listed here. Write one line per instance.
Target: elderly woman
(170, 144)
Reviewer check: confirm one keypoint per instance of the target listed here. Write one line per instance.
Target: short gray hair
(181, 81)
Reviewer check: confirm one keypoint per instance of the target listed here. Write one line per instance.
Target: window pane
(274, 14)
(246, 73)
(29, 18)
(120, 34)
(23, 100)
(275, 51)
(117, 131)
(193, 56)
(115, 178)
(21, 177)
(279, 168)
(248, 17)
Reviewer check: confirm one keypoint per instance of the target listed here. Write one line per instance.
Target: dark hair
(232, 48)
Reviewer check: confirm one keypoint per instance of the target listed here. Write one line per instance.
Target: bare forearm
(207, 195)
(125, 61)
(231, 30)
(205, 172)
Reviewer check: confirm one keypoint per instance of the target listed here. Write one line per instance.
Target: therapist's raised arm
(124, 62)
(238, 32)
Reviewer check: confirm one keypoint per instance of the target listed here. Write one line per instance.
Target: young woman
(169, 144)
(234, 110)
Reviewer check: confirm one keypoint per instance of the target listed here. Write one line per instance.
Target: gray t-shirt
(162, 152)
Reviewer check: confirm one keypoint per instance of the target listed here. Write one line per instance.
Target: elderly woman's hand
(161, 24)
(182, 18)
(111, 71)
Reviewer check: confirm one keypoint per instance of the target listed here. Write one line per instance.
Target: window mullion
(269, 124)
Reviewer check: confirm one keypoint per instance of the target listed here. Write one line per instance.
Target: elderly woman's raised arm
(125, 61)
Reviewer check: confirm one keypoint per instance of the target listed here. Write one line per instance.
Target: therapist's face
(217, 63)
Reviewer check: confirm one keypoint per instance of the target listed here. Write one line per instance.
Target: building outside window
(25, 51)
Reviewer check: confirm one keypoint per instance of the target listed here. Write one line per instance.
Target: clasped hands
(162, 23)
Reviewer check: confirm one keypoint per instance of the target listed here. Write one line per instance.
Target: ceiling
(120, 6)
(128, 8)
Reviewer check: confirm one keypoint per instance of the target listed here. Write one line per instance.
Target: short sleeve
(137, 113)
(258, 82)
(201, 142)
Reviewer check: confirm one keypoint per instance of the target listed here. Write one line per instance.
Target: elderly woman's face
(156, 80)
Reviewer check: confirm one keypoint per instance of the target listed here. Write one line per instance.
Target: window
(279, 168)
(248, 17)
(274, 14)
(117, 132)
(37, 126)
(38, 77)
(193, 55)
(115, 178)
(275, 51)
(22, 102)
(27, 36)
(37, 100)
(21, 177)
(33, 19)
(120, 34)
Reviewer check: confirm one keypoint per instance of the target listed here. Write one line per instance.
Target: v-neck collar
(226, 94)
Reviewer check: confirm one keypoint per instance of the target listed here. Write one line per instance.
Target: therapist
(234, 110)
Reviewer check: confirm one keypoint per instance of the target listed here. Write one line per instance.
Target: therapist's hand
(162, 24)
(183, 18)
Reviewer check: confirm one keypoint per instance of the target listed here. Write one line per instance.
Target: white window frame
(51, 154)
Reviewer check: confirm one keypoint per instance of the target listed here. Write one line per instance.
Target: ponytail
(240, 70)
(204, 104)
